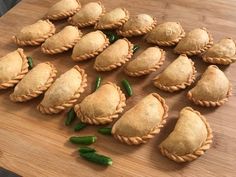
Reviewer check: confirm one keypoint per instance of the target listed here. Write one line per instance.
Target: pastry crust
(87, 22)
(35, 93)
(147, 70)
(20, 75)
(179, 49)
(137, 30)
(223, 52)
(198, 152)
(59, 38)
(68, 103)
(177, 87)
(64, 14)
(210, 96)
(166, 34)
(99, 120)
(36, 41)
(112, 50)
(135, 140)
(89, 43)
(112, 25)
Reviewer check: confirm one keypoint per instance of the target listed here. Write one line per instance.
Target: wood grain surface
(36, 145)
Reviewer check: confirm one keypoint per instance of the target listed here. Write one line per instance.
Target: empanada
(114, 56)
(38, 80)
(191, 137)
(148, 61)
(178, 75)
(35, 34)
(142, 122)
(64, 92)
(213, 89)
(102, 106)
(13, 68)
(223, 52)
(62, 41)
(88, 15)
(166, 34)
(63, 9)
(90, 45)
(113, 19)
(137, 25)
(195, 42)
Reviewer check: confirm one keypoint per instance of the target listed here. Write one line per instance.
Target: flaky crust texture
(219, 61)
(70, 103)
(105, 119)
(39, 91)
(197, 153)
(36, 41)
(115, 25)
(24, 70)
(141, 140)
(147, 71)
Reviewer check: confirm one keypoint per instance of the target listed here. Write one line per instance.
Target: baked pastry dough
(63, 9)
(88, 15)
(35, 34)
(102, 106)
(166, 34)
(142, 122)
(90, 45)
(64, 92)
(114, 56)
(191, 137)
(195, 42)
(113, 19)
(137, 25)
(178, 75)
(62, 41)
(223, 52)
(213, 89)
(148, 61)
(13, 68)
(38, 80)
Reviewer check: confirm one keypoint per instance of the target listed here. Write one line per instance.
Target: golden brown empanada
(62, 41)
(88, 15)
(166, 34)
(148, 61)
(142, 122)
(90, 45)
(38, 80)
(178, 75)
(63, 9)
(113, 19)
(223, 52)
(64, 92)
(213, 89)
(137, 25)
(195, 42)
(13, 68)
(191, 137)
(114, 56)
(35, 34)
(102, 106)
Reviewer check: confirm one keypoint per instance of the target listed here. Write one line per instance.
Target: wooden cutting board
(35, 145)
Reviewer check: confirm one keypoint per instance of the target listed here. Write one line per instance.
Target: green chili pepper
(105, 130)
(79, 126)
(98, 82)
(70, 117)
(135, 48)
(111, 36)
(87, 140)
(97, 158)
(86, 150)
(30, 62)
(127, 87)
